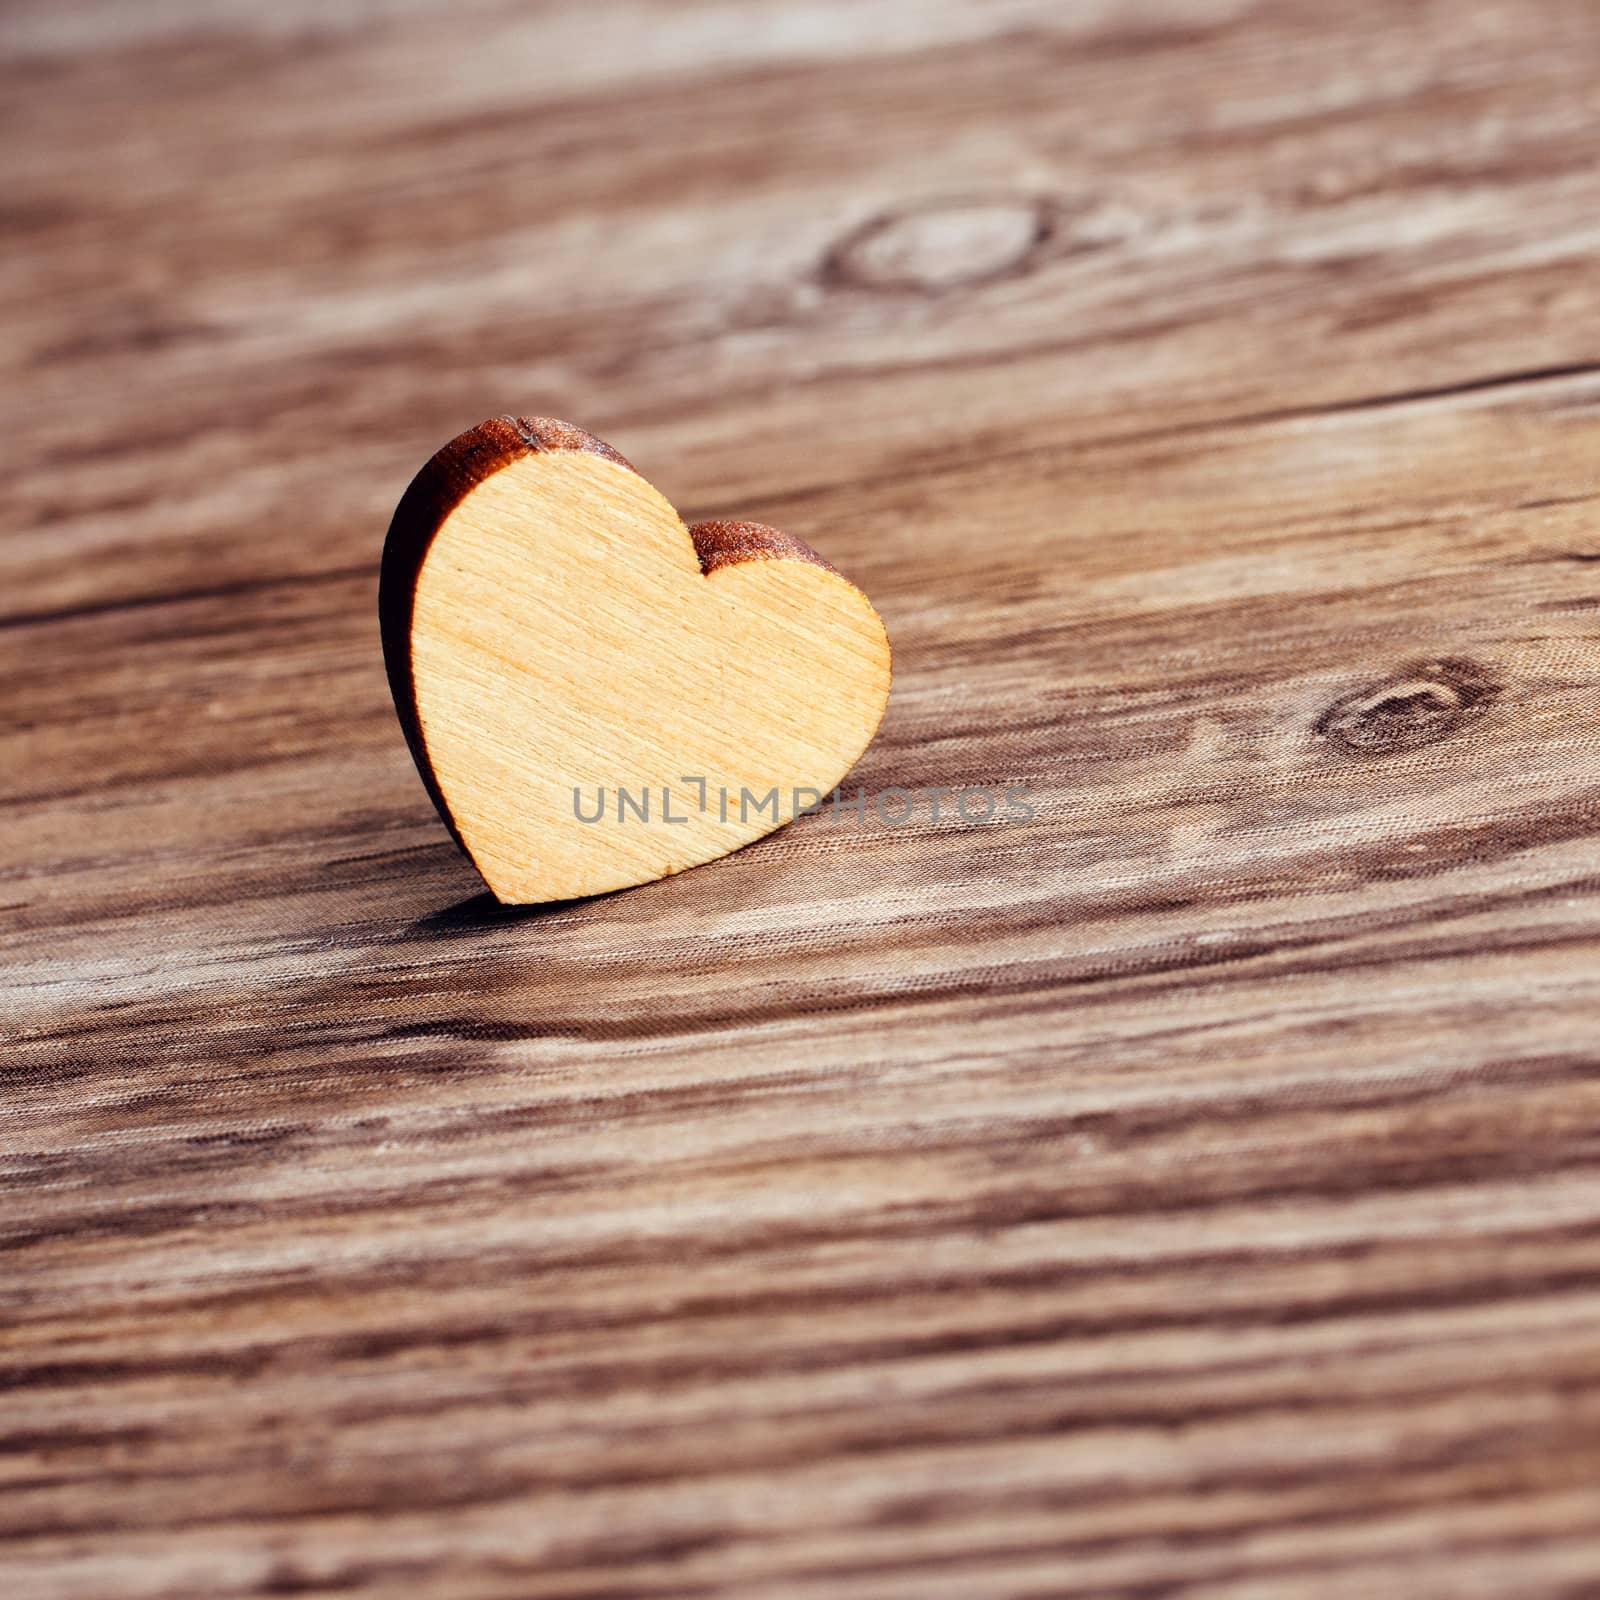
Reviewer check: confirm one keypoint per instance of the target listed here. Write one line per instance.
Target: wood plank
(1188, 1191)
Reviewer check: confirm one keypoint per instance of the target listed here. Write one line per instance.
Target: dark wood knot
(1419, 705)
(948, 243)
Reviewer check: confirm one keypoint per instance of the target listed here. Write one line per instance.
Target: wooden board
(1189, 1191)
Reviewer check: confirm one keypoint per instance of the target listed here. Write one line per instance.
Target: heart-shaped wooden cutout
(597, 695)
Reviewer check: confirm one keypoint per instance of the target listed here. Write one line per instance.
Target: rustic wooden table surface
(1192, 1191)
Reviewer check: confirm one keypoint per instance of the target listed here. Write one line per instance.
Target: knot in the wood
(1417, 706)
(943, 244)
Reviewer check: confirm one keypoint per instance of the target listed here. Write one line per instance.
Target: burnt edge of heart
(722, 543)
(549, 434)
(449, 476)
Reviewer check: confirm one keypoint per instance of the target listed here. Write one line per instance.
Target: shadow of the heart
(481, 913)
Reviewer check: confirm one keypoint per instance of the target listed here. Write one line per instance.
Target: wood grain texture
(1193, 1191)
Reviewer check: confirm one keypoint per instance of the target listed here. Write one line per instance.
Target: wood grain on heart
(597, 695)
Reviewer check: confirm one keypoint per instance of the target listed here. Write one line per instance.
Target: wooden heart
(595, 694)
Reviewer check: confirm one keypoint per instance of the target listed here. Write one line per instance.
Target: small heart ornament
(596, 695)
